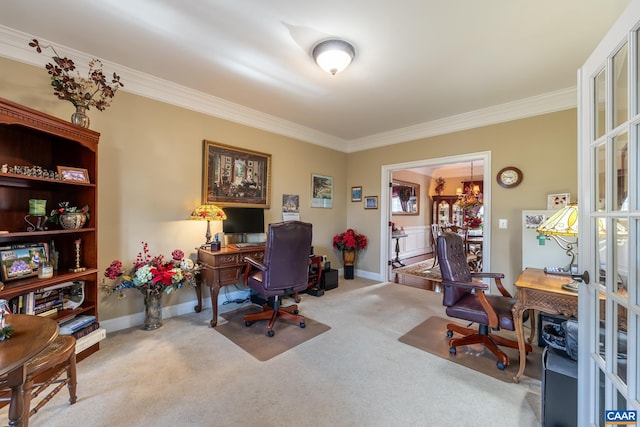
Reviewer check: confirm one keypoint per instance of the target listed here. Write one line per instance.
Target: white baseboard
(137, 319)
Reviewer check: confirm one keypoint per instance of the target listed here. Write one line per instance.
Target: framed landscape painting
(235, 177)
(321, 191)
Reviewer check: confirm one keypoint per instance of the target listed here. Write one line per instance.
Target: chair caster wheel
(296, 311)
(270, 333)
(452, 350)
(302, 324)
(449, 333)
(247, 323)
(501, 366)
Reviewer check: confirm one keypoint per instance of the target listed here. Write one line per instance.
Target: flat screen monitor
(243, 220)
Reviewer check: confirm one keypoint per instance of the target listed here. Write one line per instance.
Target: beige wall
(150, 173)
(543, 147)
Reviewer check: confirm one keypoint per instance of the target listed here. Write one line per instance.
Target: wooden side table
(537, 290)
(396, 262)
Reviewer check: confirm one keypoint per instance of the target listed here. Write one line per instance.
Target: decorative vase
(349, 259)
(72, 220)
(152, 311)
(80, 118)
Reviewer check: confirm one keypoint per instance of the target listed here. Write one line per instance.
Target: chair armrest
(477, 286)
(250, 264)
(497, 278)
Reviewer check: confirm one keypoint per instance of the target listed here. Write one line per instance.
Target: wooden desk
(222, 268)
(537, 290)
(31, 335)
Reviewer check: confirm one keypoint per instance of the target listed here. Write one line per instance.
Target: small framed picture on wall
(356, 194)
(371, 202)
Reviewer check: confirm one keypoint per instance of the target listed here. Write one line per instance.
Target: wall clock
(509, 177)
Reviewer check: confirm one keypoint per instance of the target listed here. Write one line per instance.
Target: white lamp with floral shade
(208, 212)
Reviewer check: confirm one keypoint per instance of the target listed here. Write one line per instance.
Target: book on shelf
(86, 330)
(90, 339)
(49, 313)
(76, 323)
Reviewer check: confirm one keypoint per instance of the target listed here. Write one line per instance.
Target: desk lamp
(208, 212)
(560, 225)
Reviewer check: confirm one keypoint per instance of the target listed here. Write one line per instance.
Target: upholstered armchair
(468, 300)
(283, 271)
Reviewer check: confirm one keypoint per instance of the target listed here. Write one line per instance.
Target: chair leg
(72, 380)
(289, 312)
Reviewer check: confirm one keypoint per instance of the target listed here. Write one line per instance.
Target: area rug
(424, 269)
(254, 340)
(431, 337)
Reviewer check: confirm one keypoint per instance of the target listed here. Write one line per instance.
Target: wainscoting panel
(417, 242)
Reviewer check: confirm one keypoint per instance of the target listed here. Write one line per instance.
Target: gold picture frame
(371, 202)
(405, 198)
(356, 194)
(67, 173)
(235, 177)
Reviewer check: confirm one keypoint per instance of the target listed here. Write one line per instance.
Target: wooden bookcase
(31, 139)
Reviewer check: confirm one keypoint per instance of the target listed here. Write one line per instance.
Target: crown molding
(13, 45)
(550, 102)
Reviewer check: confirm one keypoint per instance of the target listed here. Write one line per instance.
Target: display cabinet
(33, 148)
(446, 211)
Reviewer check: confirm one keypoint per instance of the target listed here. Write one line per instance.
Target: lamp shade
(208, 212)
(333, 55)
(562, 223)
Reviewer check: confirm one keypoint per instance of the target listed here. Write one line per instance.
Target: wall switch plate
(502, 223)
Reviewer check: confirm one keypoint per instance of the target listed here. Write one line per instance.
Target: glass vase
(152, 311)
(80, 118)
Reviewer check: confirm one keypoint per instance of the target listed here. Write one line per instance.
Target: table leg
(15, 380)
(198, 288)
(517, 311)
(214, 290)
(397, 260)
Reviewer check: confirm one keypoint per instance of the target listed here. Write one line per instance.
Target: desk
(396, 262)
(31, 335)
(222, 268)
(537, 290)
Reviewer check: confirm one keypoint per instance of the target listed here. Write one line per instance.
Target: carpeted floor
(355, 374)
(254, 340)
(430, 336)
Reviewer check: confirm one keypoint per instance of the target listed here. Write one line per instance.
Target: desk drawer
(229, 259)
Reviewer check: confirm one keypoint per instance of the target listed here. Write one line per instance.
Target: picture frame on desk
(235, 177)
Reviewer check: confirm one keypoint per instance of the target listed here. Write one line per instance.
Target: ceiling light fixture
(333, 55)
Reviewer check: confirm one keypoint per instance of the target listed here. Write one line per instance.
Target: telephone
(562, 271)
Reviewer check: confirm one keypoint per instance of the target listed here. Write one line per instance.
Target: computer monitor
(243, 221)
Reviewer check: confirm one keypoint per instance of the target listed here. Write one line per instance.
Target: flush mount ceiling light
(333, 55)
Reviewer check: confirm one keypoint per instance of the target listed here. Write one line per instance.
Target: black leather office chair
(283, 271)
(466, 300)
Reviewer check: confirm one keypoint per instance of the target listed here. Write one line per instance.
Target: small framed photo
(356, 194)
(73, 174)
(371, 202)
(557, 201)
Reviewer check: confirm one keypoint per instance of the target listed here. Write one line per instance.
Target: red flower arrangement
(350, 240)
(473, 222)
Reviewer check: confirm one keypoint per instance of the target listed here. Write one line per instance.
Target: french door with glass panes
(608, 169)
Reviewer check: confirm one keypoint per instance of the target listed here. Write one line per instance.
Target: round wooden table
(31, 335)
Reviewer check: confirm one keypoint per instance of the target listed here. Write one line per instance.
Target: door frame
(386, 252)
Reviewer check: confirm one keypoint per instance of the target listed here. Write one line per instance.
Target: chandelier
(470, 196)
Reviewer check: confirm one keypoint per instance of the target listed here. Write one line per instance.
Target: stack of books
(85, 329)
